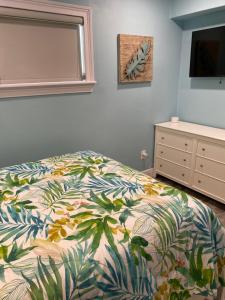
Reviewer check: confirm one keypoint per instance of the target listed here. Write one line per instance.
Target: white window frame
(61, 10)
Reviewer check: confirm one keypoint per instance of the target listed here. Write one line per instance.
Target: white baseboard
(149, 172)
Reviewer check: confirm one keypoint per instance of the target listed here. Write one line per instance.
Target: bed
(83, 226)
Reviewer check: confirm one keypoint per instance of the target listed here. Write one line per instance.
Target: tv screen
(208, 53)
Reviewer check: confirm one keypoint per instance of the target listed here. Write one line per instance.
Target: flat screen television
(208, 53)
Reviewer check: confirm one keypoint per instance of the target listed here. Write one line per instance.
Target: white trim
(46, 88)
(46, 6)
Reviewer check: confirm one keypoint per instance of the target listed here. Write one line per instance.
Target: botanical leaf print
(14, 224)
(57, 195)
(16, 289)
(83, 226)
(78, 271)
(28, 169)
(112, 184)
(124, 279)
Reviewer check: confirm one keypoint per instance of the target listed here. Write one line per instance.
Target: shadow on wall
(208, 83)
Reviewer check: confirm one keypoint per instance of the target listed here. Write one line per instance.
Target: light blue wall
(184, 8)
(115, 120)
(200, 100)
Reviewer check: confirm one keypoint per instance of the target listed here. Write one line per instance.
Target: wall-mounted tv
(208, 53)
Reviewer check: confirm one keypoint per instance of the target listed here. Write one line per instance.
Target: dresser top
(206, 131)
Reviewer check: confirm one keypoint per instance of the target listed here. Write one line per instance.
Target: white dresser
(193, 155)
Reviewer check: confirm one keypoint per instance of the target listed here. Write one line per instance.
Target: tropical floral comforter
(83, 226)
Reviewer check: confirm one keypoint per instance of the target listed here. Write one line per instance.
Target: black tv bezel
(192, 55)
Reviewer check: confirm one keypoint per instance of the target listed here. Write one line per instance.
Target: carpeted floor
(216, 206)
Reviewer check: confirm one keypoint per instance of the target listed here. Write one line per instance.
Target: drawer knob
(161, 166)
(185, 159)
(162, 138)
(161, 152)
(203, 149)
(186, 144)
(199, 181)
(183, 175)
(201, 166)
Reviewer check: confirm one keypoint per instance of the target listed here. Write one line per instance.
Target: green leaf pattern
(83, 226)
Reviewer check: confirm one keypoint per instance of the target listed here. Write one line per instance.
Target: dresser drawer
(193, 155)
(173, 171)
(211, 168)
(174, 140)
(212, 151)
(173, 155)
(209, 185)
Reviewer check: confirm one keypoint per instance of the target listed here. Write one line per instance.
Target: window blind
(39, 51)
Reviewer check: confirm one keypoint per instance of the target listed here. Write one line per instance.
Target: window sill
(45, 88)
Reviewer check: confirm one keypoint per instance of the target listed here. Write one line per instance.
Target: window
(46, 48)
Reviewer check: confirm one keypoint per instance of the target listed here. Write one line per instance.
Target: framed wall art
(135, 55)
